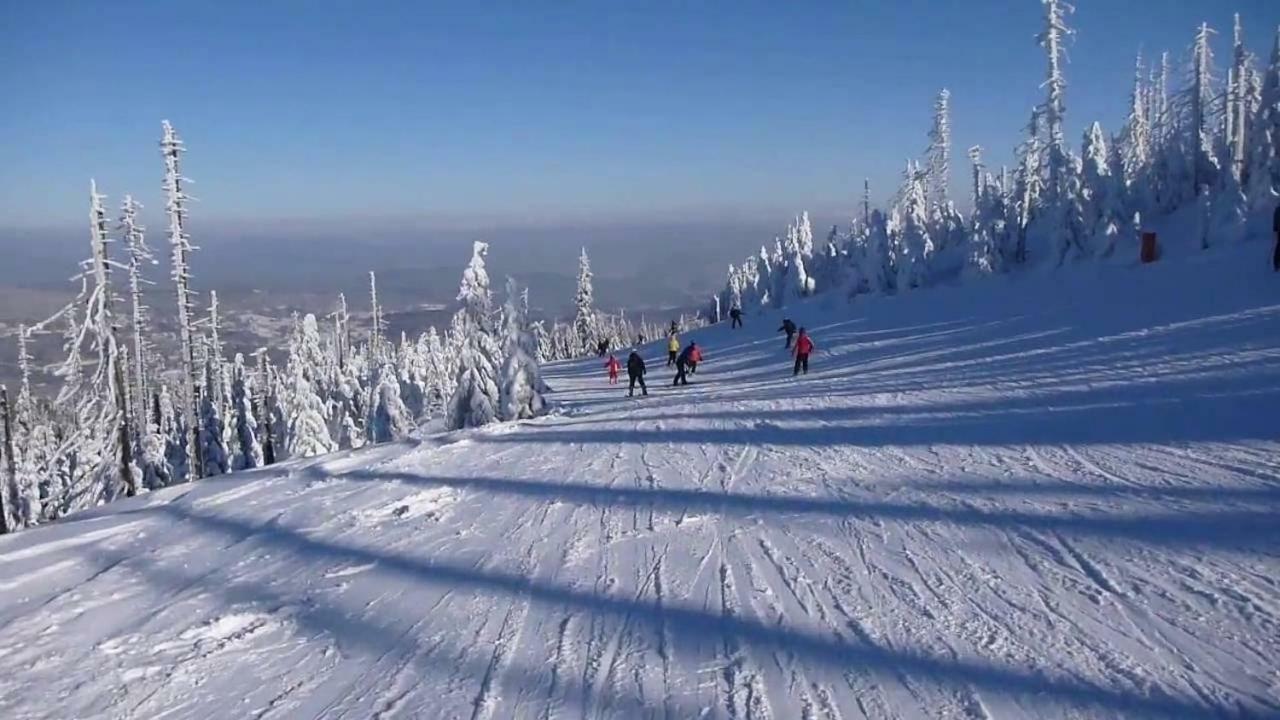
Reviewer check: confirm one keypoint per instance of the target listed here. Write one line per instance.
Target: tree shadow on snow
(1254, 529)
(687, 626)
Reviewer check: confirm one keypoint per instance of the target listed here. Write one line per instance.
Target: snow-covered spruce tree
(216, 381)
(804, 235)
(411, 368)
(171, 147)
(247, 451)
(1052, 38)
(1264, 137)
(1027, 188)
(8, 467)
(342, 331)
(1063, 225)
(938, 155)
(529, 340)
(439, 380)
(389, 419)
(915, 245)
(154, 469)
(307, 432)
(993, 242)
(1102, 194)
(520, 395)
(172, 427)
(1166, 178)
(584, 319)
(213, 448)
(377, 334)
(101, 438)
(878, 265)
(797, 282)
(33, 444)
(265, 407)
(764, 278)
(1137, 140)
(1198, 101)
(134, 236)
(474, 401)
(1235, 121)
(781, 270)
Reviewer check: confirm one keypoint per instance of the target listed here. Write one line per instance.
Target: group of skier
(798, 343)
(686, 360)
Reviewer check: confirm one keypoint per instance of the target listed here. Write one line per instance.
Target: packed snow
(1046, 495)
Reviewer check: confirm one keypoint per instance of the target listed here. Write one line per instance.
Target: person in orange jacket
(695, 357)
(803, 347)
(612, 365)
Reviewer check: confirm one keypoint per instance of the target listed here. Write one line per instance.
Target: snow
(1043, 495)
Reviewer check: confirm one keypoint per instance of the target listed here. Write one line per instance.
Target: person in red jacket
(695, 357)
(612, 365)
(803, 347)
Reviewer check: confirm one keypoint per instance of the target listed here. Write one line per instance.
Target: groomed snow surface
(1049, 495)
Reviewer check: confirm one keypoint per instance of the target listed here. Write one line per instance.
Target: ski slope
(1048, 495)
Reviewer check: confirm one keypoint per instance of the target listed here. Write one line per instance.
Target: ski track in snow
(964, 510)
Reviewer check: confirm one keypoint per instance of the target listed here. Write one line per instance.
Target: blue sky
(536, 112)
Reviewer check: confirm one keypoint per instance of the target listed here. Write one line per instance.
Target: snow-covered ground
(1049, 495)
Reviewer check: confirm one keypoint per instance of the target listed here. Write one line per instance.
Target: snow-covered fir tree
(247, 450)
(520, 392)
(389, 419)
(1264, 136)
(306, 432)
(938, 155)
(134, 236)
(915, 247)
(474, 401)
(584, 319)
(176, 199)
(213, 447)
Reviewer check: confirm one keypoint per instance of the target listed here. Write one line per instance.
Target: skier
(612, 366)
(673, 347)
(635, 373)
(735, 314)
(804, 346)
(682, 365)
(695, 357)
(790, 329)
(1275, 228)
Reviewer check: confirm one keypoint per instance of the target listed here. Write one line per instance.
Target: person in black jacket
(790, 329)
(635, 374)
(1275, 228)
(682, 364)
(735, 314)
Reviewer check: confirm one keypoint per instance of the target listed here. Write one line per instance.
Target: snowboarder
(790, 329)
(673, 347)
(612, 366)
(695, 357)
(735, 315)
(635, 373)
(682, 364)
(804, 346)
(1275, 228)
